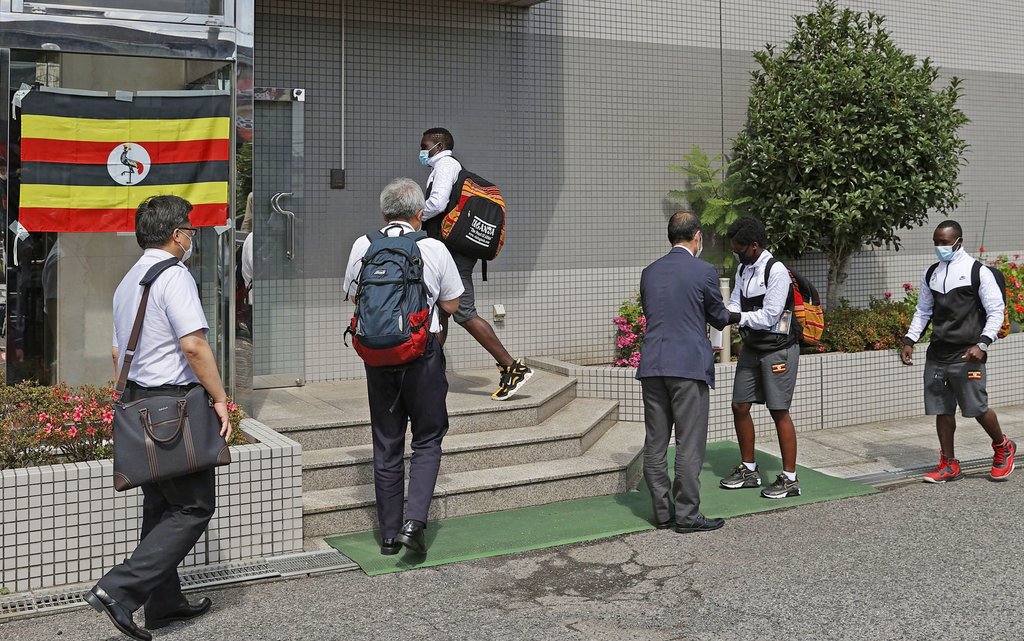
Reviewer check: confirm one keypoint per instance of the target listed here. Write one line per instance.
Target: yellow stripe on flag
(72, 197)
(114, 131)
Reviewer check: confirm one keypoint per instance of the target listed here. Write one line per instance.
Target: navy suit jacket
(680, 296)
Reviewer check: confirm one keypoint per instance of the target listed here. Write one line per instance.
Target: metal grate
(223, 573)
(898, 476)
(62, 598)
(17, 604)
(311, 563)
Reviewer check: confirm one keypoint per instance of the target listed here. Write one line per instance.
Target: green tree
(714, 193)
(847, 140)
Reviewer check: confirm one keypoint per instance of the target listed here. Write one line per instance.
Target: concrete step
(613, 464)
(335, 415)
(568, 433)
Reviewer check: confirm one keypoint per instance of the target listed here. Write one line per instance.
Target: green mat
(532, 528)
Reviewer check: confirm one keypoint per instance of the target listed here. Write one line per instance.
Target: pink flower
(634, 359)
(625, 340)
(907, 287)
(888, 294)
(72, 431)
(232, 406)
(91, 431)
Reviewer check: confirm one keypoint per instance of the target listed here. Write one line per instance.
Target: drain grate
(68, 596)
(223, 573)
(17, 604)
(311, 563)
(886, 478)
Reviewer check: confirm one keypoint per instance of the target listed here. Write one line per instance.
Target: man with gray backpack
(398, 278)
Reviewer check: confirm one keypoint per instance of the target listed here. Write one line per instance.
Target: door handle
(289, 224)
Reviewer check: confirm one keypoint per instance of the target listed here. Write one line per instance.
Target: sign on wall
(88, 161)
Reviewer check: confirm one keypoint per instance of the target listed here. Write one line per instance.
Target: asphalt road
(914, 562)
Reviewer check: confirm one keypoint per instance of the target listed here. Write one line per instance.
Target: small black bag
(162, 437)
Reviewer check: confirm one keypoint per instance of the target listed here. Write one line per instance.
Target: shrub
(630, 327)
(41, 425)
(881, 325)
(1013, 273)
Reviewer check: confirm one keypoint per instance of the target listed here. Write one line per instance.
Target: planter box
(64, 524)
(832, 390)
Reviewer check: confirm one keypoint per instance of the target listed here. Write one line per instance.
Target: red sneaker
(1002, 461)
(948, 469)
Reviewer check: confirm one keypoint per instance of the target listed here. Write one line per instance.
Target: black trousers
(175, 513)
(418, 395)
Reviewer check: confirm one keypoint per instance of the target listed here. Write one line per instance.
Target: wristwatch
(983, 347)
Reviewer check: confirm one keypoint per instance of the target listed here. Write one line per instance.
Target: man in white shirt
(436, 152)
(414, 393)
(172, 357)
(766, 368)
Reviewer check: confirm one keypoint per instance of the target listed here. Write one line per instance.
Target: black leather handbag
(162, 437)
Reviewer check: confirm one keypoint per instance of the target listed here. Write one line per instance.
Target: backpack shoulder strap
(928, 273)
(976, 277)
(768, 270)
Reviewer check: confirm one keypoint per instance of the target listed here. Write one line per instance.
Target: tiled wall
(576, 109)
(65, 524)
(832, 390)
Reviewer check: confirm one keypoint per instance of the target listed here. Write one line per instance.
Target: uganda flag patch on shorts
(779, 368)
(974, 375)
(89, 160)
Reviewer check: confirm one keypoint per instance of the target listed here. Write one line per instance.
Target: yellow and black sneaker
(512, 379)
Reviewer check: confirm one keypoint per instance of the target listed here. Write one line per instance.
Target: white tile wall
(64, 524)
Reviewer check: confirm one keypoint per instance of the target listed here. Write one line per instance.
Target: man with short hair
(680, 296)
(964, 303)
(436, 147)
(172, 357)
(413, 393)
(767, 366)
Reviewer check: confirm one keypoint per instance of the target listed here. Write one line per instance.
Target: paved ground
(914, 562)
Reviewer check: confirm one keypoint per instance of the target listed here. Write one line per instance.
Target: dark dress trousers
(680, 296)
(417, 396)
(175, 513)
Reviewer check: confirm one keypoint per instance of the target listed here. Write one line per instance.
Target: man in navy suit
(680, 297)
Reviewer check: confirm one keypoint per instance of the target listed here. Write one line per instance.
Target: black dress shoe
(184, 613)
(700, 525)
(411, 536)
(389, 547)
(665, 525)
(119, 615)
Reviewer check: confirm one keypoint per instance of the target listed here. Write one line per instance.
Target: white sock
(790, 475)
(750, 466)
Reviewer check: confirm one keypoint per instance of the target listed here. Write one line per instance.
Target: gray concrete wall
(576, 109)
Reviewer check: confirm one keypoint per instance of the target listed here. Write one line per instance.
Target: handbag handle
(133, 340)
(147, 424)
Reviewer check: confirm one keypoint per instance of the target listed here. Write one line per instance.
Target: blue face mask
(946, 252)
(425, 156)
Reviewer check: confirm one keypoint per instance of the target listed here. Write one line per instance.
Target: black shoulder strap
(768, 270)
(928, 274)
(976, 278)
(133, 339)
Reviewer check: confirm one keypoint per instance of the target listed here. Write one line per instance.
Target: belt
(132, 385)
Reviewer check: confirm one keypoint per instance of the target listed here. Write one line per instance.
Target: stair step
(569, 432)
(610, 465)
(333, 415)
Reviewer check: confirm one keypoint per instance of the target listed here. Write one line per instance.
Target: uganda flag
(88, 161)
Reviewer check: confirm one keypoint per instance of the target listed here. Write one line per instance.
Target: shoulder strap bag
(162, 437)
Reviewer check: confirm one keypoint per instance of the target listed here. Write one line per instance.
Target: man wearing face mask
(766, 368)
(963, 302)
(172, 357)
(680, 297)
(436, 147)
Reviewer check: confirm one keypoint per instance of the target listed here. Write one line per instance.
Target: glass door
(278, 262)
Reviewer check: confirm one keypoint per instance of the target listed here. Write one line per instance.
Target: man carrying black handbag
(173, 357)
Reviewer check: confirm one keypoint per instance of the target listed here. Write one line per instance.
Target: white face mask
(191, 245)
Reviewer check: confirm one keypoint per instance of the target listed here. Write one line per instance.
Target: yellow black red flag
(88, 161)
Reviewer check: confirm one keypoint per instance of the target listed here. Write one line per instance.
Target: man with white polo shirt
(414, 393)
(172, 357)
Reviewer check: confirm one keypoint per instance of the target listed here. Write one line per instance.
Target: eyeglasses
(191, 229)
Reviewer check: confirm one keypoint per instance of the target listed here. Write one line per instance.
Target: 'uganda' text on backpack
(473, 224)
(806, 306)
(1004, 330)
(390, 325)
